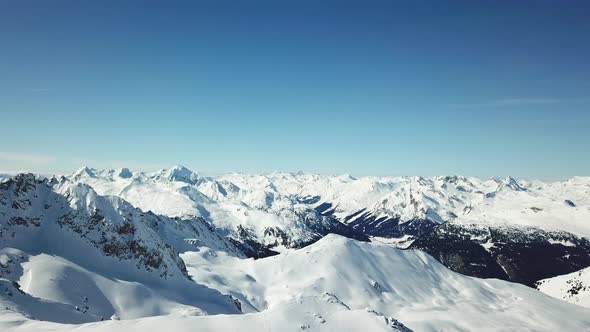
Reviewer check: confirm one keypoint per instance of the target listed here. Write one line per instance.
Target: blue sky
(479, 88)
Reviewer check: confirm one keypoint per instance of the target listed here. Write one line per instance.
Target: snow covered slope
(379, 204)
(32, 210)
(120, 260)
(294, 316)
(259, 220)
(375, 204)
(70, 256)
(521, 231)
(339, 284)
(488, 228)
(573, 287)
(408, 285)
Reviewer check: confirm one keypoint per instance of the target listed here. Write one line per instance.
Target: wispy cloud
(516, 102)
(526, 101)
(26, 158)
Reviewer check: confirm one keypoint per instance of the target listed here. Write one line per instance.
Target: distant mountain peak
(85, 171)
(511, 183)
(181, 173)
(124, 173)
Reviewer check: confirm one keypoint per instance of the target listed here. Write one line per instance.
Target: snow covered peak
(511, 183)
(408, 285)
(84, 172)
(53, 219)
(580, 180)
(82, 225)
(262, 201)
(124, 173)
(23, 181)
(181, 173)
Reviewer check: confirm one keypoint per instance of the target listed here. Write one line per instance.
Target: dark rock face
(522, 255)
(369, 224)
(331, 225)
(365, 224)
(125, 173)
(339, 228)
(246, 241)
(308, 199)
(325, 209)
(463, 256)
(318, 225)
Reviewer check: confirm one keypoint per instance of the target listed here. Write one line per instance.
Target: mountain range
(300, 251)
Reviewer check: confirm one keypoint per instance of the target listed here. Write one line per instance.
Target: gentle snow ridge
(342, 284)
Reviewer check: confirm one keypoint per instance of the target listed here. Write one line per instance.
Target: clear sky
(483, 88)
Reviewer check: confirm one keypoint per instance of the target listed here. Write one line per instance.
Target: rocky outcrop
(517, 254)
(32, 208)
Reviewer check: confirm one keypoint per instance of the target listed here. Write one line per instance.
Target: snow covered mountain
(521, 231)
(408, 285)
(573, 287)
(382, 205)
(376, 206)
(339, 284)
(261, 221)
(73, 250)
(486, 228)
(121, 261)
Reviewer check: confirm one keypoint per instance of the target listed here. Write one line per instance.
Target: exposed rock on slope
(573, 287)
(125, 260)
(260, 222)
(518, 254)
(264, 214)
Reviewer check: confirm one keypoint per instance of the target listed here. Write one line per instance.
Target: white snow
(401, 242)
(408, 285)
(338, 284)
(259, 201)
(573, 287)
(55, 274)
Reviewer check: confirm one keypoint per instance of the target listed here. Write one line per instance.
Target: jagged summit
(180, 173)
(124, 173)
(359, 200)
(511, 183)
(85, 171)
(265, 214)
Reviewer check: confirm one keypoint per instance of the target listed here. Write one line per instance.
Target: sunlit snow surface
(55, 278)
(261, 201)
(573, 287)
(336, 284)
